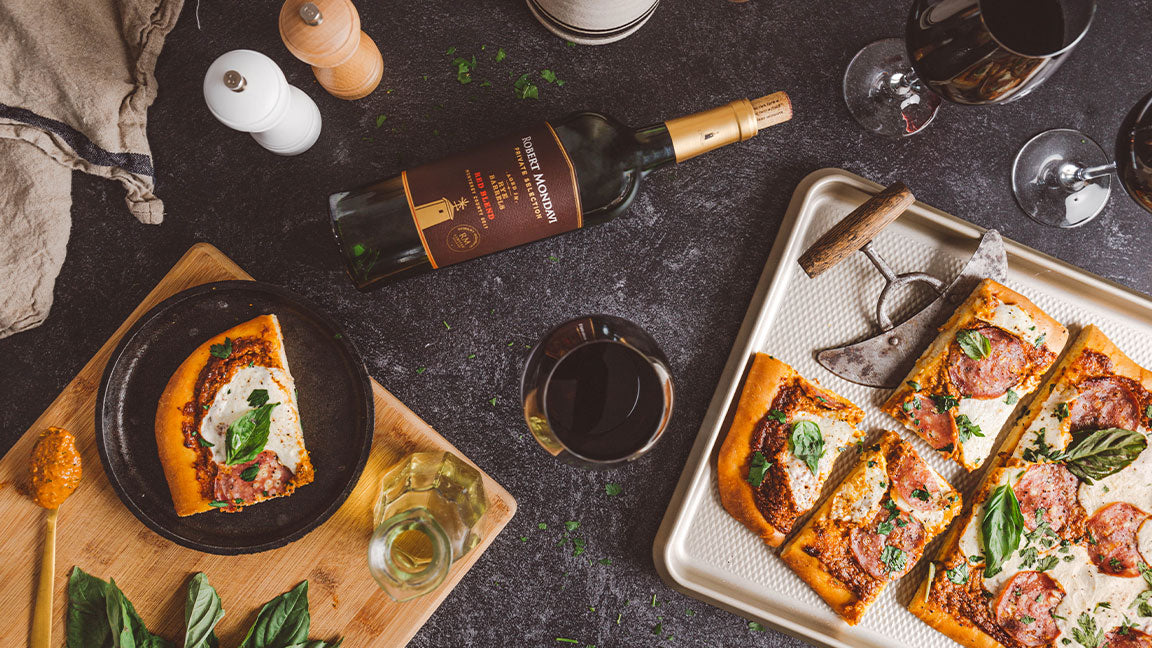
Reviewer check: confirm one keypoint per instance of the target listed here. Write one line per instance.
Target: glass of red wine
(597, 391)
(1062, 178)
(971, 52)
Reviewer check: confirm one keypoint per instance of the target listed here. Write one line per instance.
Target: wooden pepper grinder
(326, 35)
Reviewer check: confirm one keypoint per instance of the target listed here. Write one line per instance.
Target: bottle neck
(706, 131)
(409, 554)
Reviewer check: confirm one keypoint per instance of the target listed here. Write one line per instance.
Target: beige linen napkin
(76, 80)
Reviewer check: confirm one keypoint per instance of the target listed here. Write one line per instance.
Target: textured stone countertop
(683, 263)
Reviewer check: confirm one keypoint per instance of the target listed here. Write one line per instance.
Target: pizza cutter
(885, 358)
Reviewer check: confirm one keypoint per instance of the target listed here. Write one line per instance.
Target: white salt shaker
(247, 91)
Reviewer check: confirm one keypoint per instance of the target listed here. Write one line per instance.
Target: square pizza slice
(1056, 549)
(990, 354)
(780, 448)
(873, 528)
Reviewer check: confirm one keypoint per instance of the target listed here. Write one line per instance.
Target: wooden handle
(856, 229)
(42, 617)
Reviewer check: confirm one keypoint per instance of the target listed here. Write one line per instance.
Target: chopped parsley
(221, 350)
(894, 558)
(1027, 620)
(612, 489)
(420, 370)
(921, 494)
(1086, 633)
(571, 525)
(492, 401)
(249, 473)
(758, 466)
(914, 385)
(550, 77)
(525, 89)
(379, 122)
(958, 575)
(944, 402)
(217, 504)
(1040, 340)
(755, 627)
(966, 429)
(1061, 411)
(205, 443)
(258, 397)
(907, 407)
(501, 54)
(779, 417)
(1011, 398)
(464, 69)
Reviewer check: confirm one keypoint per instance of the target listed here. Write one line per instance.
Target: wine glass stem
(1091, 173)
(1074, 176)
(901, 83)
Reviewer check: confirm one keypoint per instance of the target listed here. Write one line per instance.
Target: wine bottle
(584, 169)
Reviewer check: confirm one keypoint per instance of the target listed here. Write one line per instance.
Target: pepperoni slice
(936, 428)
(907, 542)
(914, 481)
(1105, 403)
(271, 478)
(1113, 529)
(1127, 638)
(1050, 487)
(1025, 605)
(991, 376)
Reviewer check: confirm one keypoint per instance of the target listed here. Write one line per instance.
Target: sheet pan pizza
(1056, 549)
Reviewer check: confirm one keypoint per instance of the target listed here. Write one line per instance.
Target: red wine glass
(972, 52)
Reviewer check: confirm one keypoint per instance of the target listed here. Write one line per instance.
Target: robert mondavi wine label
(514, 190)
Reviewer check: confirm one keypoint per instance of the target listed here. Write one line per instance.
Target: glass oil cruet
(424, 519)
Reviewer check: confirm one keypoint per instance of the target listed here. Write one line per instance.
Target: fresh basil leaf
(87, 620)
(525, 89)
(316, 643)
(248, 434)
(944, 402)
(205, 442)
(894, 558)
(217, 504)
(221, 350)
(1148, 411)
(202, 611)
(128, 629)
(958, 575)
(807, 444)
(966, 429)
(1001, 528)
(283, 621)
(1102, 453)
(974, 344)
(258, 397)
(249, 473)
(758, 466)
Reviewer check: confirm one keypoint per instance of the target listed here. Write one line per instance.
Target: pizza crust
(931, 361)
(766, 377)
(178, 460)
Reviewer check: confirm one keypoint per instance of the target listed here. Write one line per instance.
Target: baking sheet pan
(705, 553)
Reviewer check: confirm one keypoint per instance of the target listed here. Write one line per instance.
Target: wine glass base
(882, 93)
(1037, 185)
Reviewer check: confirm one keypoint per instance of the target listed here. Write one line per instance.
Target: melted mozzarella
(1133, 485)
(806, 486)
(231, 403)
(1144, 541)
(858, 497)
(1015, 320)
(1047, 425)
(932, 519)
(989, 414)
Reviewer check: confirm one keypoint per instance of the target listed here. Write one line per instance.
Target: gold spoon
(56, 472)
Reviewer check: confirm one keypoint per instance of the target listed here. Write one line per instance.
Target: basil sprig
(248, 434)
(1103, 453)
(1001, 528)
(807, 443)
(100, 616)
(258, 397)
(974, 344)
(221, 350)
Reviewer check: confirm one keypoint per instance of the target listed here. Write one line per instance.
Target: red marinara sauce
(56, 467)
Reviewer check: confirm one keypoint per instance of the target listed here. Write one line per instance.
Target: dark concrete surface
(683, 263)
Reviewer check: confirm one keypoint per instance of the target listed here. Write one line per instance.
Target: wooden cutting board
(98, 534)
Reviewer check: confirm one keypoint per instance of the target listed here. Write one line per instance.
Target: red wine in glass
(971, 52)
(597, 391)
(1062, 178)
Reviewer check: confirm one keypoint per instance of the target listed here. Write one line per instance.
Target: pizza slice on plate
(989, 355)
(873, 528)
(228, 423)
(784, 439)
(1057, 547)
